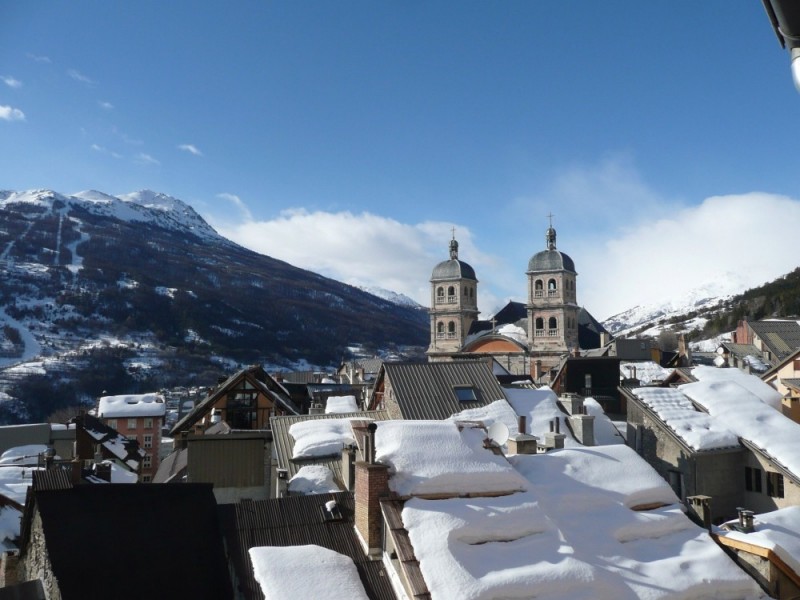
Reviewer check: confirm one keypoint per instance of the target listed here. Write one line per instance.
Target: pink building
(138, 417)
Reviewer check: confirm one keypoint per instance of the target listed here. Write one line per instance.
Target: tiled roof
(283, 443)
(791, 382)
(426, 390)
(780, 337)
(297, 521)
(108, 541)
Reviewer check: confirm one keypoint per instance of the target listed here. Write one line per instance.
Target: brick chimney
(700, 508)
(372, 484)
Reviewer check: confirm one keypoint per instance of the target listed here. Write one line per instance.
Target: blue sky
(350, 137)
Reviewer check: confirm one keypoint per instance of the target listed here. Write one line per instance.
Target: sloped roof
(426, 390)
(452, 269)
(255, 375)
(125, 449)
(780, 337)
(283, 442)
(550, 260)
(296, 521)
(173, 467)
(103, 541)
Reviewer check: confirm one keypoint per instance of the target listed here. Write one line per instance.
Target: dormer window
(465, 393)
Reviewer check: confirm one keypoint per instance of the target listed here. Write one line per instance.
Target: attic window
(465, 393)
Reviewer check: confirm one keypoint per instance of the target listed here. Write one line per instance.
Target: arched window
(539, 323)
(538, 288)
(451, 329)
(552, 323)
(471, 292)
(466, 292)
(551, 285)
(440, 327)
(440, 292)
(451, 291)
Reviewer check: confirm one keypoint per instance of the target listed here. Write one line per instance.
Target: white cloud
(9, 113)
(146, 159)
(105, 105)
(191, 149)
(237, 202)
(11, 82)
(724, 244)
(104, 150)
(39, 59)
(80, 77)
(359, 249)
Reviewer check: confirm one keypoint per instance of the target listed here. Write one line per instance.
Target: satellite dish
(498, 433)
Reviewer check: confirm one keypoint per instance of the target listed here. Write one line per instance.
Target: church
(530, 338)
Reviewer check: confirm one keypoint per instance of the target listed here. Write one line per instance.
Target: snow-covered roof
(646, 371)
(778, 531)
(697, 429)
(313, 479)
(305, 572)
(748, 407)
(321, 437)
(130, 406)
(571, 534)
(439, 458)
(539, 407)
(27, 455)
(341, 404)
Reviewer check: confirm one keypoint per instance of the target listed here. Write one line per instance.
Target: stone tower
(454, 304)
(552, 301)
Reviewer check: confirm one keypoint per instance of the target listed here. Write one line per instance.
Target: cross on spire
(454, 232)
(550, 216)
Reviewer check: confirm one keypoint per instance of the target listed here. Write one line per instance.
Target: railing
(451, 335)
(552, 293)
(446, 300)
(538, 294)
(539, 333)
(552, 332)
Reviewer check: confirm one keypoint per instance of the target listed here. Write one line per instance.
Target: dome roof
(551, 260)
(453, 269)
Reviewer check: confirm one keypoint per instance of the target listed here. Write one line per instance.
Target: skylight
(466, 393)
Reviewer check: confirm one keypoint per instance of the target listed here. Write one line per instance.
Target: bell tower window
(551, 288)
(451, 329)
(538, 289)
(552, 326)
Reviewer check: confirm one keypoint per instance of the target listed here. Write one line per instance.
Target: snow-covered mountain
(393, 297)
(102, 292)
(689, 308)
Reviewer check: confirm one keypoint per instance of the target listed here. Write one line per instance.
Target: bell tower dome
(454, 304)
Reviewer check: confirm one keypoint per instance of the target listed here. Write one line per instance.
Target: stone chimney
(700, 508)
(372, 484)
(583, 428)
(348, 467)
(572, 403)
(522, 442)
(553, 439)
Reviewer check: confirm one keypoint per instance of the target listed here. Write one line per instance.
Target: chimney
(348, 467)
(604, 339)
(700, 508)
(522, 443)
(103, 471)
(281, 483)
(537, 370)
(572, 403)
(553, 439)
(76, 471)
(8, 569)
(372, 484)
(583, 428)
(745, 520)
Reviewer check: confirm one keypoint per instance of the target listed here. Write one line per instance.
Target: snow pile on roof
(15, 481)
(571, 535)
(778, 531)
(305, 572)
(498, 411)
(646, 371)
(313, 479)
(514, 332)
(741, 411)
(765, 392)
(434, 457)
(27, 455)
(697, 429)
(341, 404)
(605, 432)
(118, 474)
(321, 437)
(539, 407)
(130, 406)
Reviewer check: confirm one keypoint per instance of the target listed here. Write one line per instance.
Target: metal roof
(453, 269)
(173, 467)
(297, 521)
(100, 541)
(780, 337)
(283, 443)
(425, 391)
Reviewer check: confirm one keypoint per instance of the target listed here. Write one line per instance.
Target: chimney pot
(521, 425)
